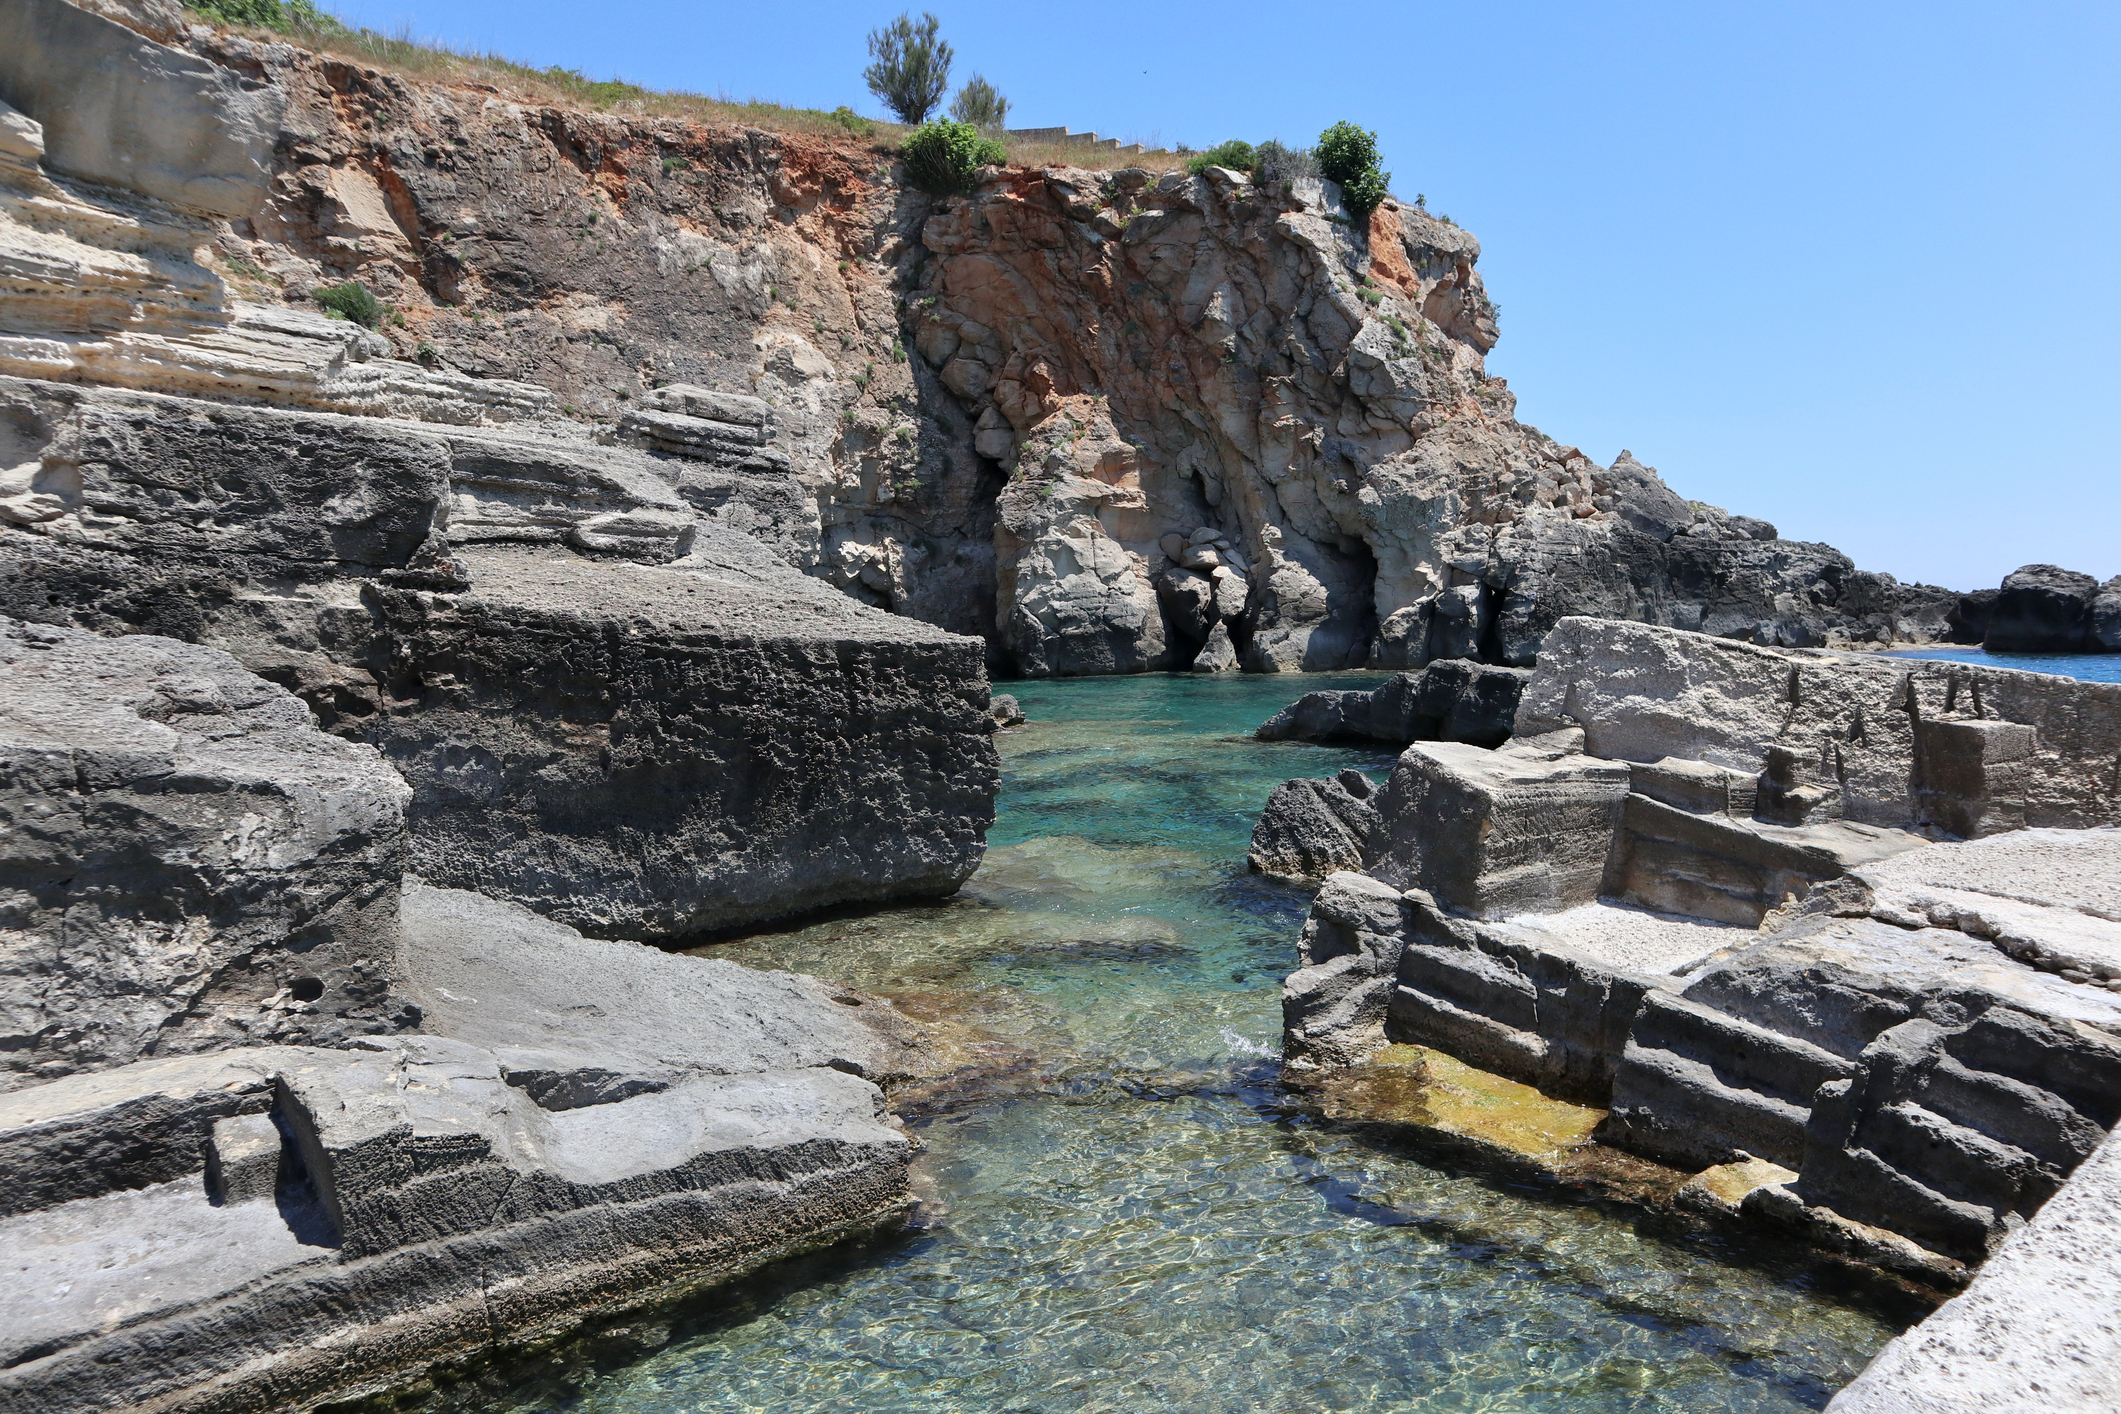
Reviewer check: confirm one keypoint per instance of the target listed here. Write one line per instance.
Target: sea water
(1136, 1216)
(2089, 667)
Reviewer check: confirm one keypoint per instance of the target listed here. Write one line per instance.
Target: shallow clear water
(1145, 1222)
(2088, 667)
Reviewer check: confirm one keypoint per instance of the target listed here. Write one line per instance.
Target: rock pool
(1140, 1218)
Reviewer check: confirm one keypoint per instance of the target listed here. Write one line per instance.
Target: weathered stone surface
(577, 1021)
(1928, 1037)
(2038, 1332)
(1218, 654)
(1333, 1005)
(655, 752)
(1705, 864)
(1868, 724)
(421, 1187)
(124, 111)
(1452, 699)
(597, 1127)
(1917, 1078)
(1491, 833)
(2043, 609)
(188, 863)
(1523, 999)
(1313, 828)
(648, 750)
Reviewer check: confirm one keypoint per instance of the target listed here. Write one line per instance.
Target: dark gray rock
(1786, 593)
(646, 751)
(660, 752)
(1465, 701)
(2042, 609)
(1312, 828)
(1005, 711)
(1967, 620)
(1452, 699)
(1490, 833)
(1644, 503)
(2106, 618)
(189, 863)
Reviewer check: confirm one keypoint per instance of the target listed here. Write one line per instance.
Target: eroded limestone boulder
(1899, 742)
(1490, 833)
(1312, 828)
(188, 863)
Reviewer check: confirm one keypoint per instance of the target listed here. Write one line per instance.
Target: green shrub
(352, 301)
(602, 92)
(281, 15)
(1237, 156)
(852, 121)
(945, 157)
(1348, 155)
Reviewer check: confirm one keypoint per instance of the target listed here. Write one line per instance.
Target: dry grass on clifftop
(428, 61)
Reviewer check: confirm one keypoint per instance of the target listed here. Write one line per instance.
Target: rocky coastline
(1835, 933)
(380, 703)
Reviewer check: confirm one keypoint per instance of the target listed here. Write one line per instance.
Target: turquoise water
(1138, 1218)
(2088, 667)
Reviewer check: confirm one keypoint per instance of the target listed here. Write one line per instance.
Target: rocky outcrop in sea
(449, 544)
(1835, 931)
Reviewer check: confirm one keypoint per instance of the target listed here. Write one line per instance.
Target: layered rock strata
(608, 705)
(285, 1126)
(1923, 1036)
(187, 863)
(586, 1129)
(1107, 421)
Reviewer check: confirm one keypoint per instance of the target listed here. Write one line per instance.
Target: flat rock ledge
(284, 1125)
(587, 1128)
(1838, 935)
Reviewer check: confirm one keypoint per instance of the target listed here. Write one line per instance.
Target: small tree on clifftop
(912, 67)
(981, 104)
(1348, 155)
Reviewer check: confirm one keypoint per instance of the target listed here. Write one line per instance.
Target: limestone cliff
(1093, 417)
(615, 699)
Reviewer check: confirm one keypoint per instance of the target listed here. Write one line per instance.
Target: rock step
(1683, 1111)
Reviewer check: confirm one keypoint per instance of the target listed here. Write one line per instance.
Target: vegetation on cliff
(945, 157)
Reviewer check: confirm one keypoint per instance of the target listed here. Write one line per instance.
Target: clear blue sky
(1855, 268)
